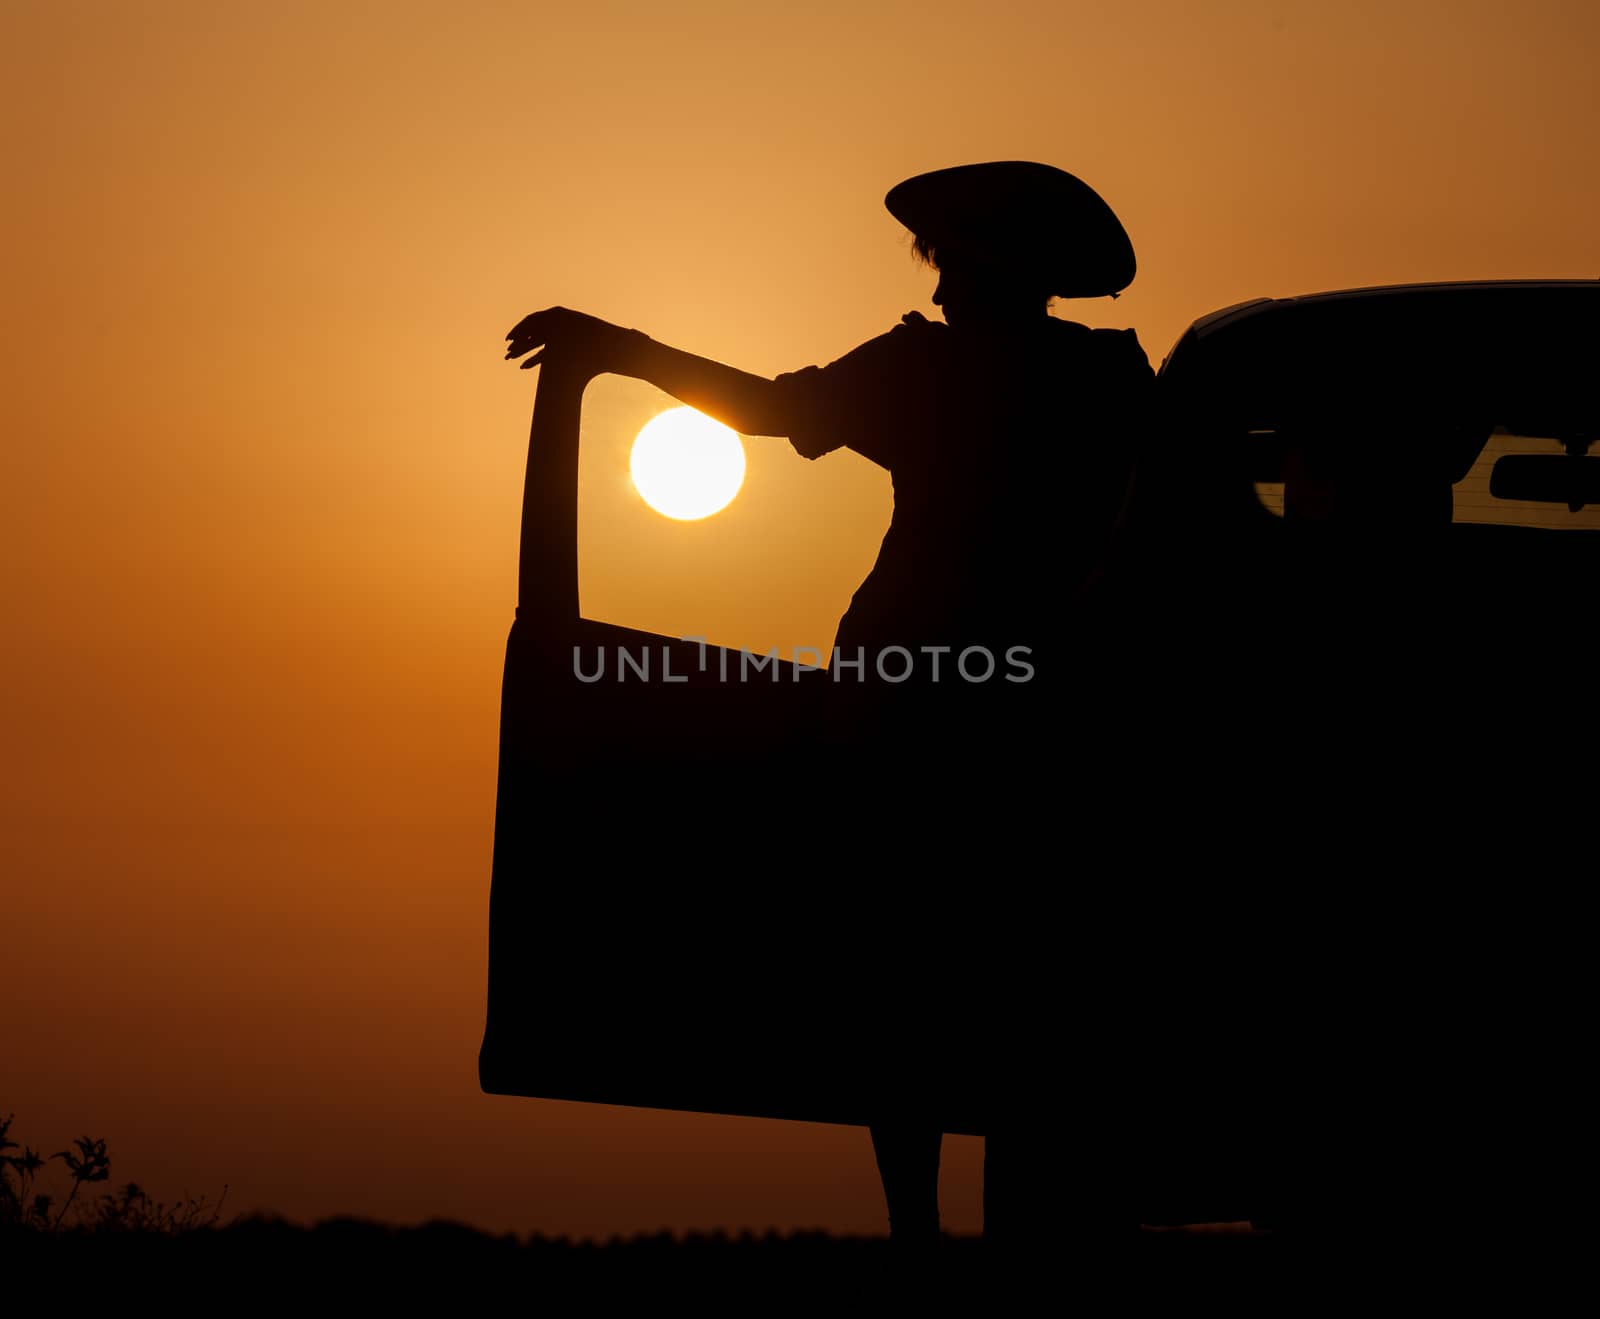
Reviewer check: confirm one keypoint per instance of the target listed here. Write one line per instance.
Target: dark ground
(346, 1261)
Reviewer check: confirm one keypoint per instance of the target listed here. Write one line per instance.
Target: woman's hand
(566, 331)
(750, 404)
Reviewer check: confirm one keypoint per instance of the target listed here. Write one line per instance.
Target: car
(1350, 589)
(1354, 634)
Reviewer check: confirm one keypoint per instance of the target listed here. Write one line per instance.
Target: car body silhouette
(1360, 516)
(1355, 644)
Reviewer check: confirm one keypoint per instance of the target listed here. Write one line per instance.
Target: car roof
(1481, 345)
(1223, 317)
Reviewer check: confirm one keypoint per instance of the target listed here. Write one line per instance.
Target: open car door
(670, 925)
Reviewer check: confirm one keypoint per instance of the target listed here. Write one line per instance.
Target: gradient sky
(263, 464)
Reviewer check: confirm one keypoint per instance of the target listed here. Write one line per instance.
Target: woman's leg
(1031, 1201)
(908, 1161)
(998, 1202)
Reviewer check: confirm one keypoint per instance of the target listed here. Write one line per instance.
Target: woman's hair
(926, 250)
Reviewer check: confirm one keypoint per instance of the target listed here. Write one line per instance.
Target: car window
(1471, 498)
(775, 567)
(1474, 503)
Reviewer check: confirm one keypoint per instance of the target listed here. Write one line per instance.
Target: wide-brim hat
(1032, 218)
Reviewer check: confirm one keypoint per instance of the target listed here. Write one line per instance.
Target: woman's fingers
(538, 330)
(538, 326)
(554, 325)
(527, 334)
(532, 325)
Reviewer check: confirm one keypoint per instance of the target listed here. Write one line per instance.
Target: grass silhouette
(57, 1229)
(26, 1207)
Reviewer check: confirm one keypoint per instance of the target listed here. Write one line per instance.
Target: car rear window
(1474, 503)
(1472, 500)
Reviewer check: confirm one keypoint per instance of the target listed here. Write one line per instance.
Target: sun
(687, 466)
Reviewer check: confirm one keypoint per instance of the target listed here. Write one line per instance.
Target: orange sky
(263, 464)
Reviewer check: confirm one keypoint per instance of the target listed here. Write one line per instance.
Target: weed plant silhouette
(24, 1205)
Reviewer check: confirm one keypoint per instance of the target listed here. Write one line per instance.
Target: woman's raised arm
(751, 404)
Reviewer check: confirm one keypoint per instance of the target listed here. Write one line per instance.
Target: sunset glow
(265, 466)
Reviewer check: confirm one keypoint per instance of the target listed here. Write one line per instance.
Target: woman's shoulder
(915, 345)
(1117, 350)
(1125, 341)
(915, 336)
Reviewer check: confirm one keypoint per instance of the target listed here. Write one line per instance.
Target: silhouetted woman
(1008, 435)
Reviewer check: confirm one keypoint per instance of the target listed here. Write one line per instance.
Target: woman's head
(1008, 235)
(975, 285)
